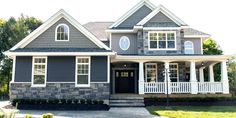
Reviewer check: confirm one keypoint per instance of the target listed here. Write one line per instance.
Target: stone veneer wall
(100, 91)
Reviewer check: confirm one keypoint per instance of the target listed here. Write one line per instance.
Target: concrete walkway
(129, 112)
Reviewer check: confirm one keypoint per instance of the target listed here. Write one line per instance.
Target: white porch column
(193, 78)
(224, 78)
(201, 74)
(211, 73)
(167, 78)
(141, 78)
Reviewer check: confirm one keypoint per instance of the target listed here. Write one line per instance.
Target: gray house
(143, 51)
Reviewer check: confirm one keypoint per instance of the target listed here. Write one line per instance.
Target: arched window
(62, 33)
(188, 47)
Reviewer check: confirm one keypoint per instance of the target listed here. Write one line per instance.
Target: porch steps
(126, 101)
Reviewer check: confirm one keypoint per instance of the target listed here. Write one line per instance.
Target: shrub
(28, 116)
(82, 101)
(69, 101)
(89, 101)
(1, 115)
(95, 102)
(76, 101)
(100, 102)
(50, 101)
(43, 101)
(63, 101)
(47, 115)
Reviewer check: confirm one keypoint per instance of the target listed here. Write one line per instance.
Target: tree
(11, 32)
(210, 47)
(232, 74)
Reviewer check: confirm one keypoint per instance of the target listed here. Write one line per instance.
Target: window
(62, 33)
(39, 71)
(82, 72)
(124, 43)
(174, 73)
(188, 47)
(151, 72)
(162, 40)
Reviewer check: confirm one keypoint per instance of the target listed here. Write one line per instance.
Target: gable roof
(132, 11)
(60, 14)
(166, 12)
(98, 29)
(193, 33)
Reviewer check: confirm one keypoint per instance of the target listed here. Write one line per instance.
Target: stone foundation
(98, 91)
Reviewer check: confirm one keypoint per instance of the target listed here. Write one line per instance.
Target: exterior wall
(133, 43)
(160, 20)
(59, 91)
(61, 69)
(76, 38)
(99, 69)
(144, 48)
(23, 69)
(135, 18)
(196, 44)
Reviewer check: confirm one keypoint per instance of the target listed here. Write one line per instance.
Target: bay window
(162, 40)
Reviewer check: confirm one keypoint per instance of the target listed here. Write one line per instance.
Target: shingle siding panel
(23, 69)
(98, 69)
(76, 38)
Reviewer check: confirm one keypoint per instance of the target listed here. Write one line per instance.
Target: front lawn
(194, 111)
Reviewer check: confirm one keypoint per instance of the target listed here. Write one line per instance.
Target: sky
(215, 17)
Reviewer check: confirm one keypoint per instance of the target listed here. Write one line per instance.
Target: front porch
(174, 74)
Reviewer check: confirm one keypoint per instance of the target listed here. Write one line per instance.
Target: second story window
(62, 33)
(161, 40)
(188, 47)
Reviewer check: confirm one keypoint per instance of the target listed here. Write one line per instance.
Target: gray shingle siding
(76, 38)
(160, 20)
(61, 69)
(133, 43)
(196, 44)
(135, 18)
(98, 69)
(23, 69)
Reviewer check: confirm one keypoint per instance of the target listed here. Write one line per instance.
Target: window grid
(162, 40)
(82, 71)
(39, 71)
(151, 72)
(174, 73)
(62, 32)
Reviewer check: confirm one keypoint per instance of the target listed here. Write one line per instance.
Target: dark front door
(124, 81)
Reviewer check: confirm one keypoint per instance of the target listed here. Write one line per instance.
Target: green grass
(195, 111)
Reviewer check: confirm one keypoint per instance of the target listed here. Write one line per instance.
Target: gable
(160, 20)
(135, 18)
(76, 38)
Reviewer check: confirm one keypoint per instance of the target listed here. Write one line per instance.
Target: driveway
(127, 112)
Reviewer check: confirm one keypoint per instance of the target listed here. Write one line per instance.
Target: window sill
(38, 86)
(84, 86)
(174, 49)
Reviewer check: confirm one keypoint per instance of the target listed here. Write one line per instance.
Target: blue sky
(214, 17)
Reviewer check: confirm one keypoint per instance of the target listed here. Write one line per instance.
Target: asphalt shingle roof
(61, 50)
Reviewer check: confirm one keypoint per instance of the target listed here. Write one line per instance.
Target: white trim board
(132, 11)
(52, 20)
(166, 12)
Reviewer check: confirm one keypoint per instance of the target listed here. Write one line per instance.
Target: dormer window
(188, 47)
(62, 33)
(162, 40)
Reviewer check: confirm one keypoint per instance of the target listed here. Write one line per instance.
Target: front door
(124, 81)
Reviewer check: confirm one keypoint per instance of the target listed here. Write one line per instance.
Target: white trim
(197, 36)
(110, 41)
(177, 69)
(68, 32)
(108, 69)
(188, 48)
(161, 28)
(13, 69)
(201, 46)
(98, 82)
(52, 20)
(146, 69)
(132, 11)
(104, 39)
(156, 49)
(120, 42)
(120, 30)
(62, 82)
(57, 53)
(166, 12)
(21, 82)
(32, 74)
(89, 70)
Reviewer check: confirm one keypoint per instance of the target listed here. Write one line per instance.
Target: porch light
(202, 63)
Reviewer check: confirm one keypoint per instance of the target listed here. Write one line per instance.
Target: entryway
(124, 81)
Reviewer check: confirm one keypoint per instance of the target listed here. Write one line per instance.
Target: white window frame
(76, 71)
(67, 32)
(32, 74)
(177, 69)
(188, 48)
(158, 40)
(120, 43)
(146, 69)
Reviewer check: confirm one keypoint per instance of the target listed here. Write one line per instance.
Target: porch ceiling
(186, 58)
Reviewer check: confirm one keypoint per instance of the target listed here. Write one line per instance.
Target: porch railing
(210, 87)
(183, 87)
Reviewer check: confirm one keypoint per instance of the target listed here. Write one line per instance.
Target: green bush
(69, 101)
(1, 115)
(76, 101)
(95, 102)
(28, 116)
(89, 101)
(100, 102)
(63, 101)
(82, 101)
(47, 115)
